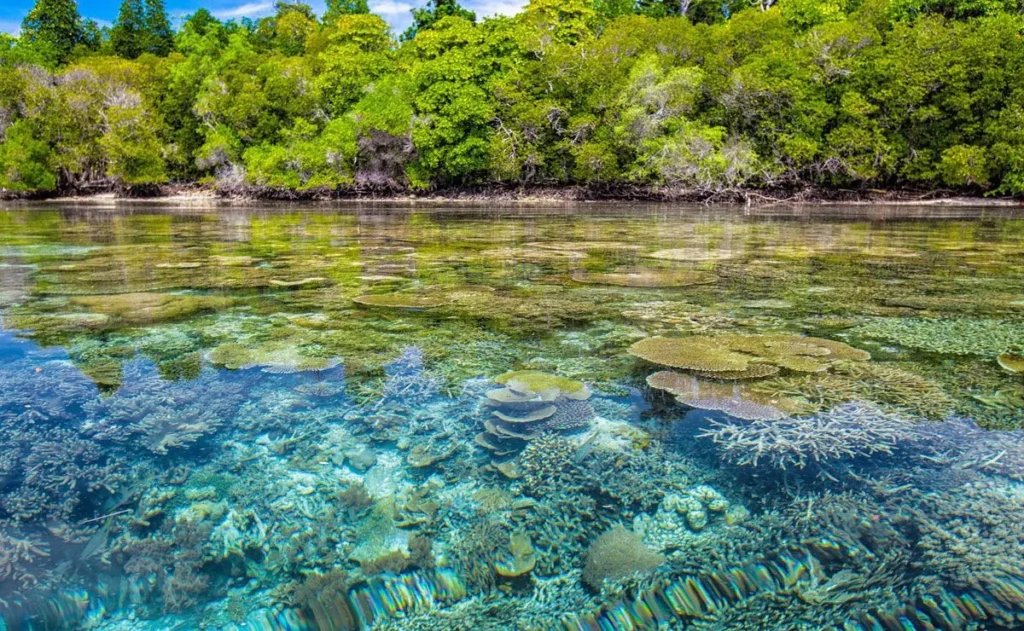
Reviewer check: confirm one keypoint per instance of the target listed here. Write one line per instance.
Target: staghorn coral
(948, 337)
(848, 431)
(19, 555)
(907, 392)
(618, 553)
(476, 547)
(167, 415)
(325, 596)
(56, 473)
(962, 443)
(971, 533)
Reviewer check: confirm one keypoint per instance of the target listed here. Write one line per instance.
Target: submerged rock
(361, 458)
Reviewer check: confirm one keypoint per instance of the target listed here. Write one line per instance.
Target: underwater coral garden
(410, 420)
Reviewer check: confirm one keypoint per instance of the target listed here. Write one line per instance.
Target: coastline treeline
(706, 97)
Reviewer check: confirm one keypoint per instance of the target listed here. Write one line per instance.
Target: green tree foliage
(426, 17)
(338, 8)
(160, 37)
(128, 37)
(701, 96)
(288, 29)
(55, 27)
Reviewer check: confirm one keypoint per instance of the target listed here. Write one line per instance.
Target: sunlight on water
(633, 418)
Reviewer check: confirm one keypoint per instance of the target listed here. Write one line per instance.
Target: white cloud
(247, 10)
(386, 8)
(487, 8)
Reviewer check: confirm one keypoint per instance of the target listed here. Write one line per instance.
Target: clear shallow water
(305, 419)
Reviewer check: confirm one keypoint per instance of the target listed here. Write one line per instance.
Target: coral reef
(736, 400)
(849, 431)
(200, 432)
(745, 356)
(146, 308)
(532, 403)
(618, 553)
(948, 337)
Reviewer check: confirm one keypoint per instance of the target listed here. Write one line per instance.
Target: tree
(129, 32)
(288, 29)
(425, 17)
(25, 160)
(142, 27)
(56, 25)
(158, 28)
(338, 8)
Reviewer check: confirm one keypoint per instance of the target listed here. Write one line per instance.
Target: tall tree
(338, 8)
(128, 37)
(158, 29)
(142, 27)
(425, 17)
(54, 24)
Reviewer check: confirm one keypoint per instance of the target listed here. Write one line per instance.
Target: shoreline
(207, 196)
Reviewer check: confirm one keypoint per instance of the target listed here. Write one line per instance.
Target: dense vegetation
(611, 94)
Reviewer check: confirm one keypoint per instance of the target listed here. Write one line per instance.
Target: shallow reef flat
(412, 420)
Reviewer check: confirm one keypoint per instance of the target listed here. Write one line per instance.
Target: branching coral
(18, 555)
(167, 415)
(948, 337)
(848, 431)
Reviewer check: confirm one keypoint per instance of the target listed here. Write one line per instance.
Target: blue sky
(104, 11)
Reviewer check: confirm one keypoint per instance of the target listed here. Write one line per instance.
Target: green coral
(948, 337)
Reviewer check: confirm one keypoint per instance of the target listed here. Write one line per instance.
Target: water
(607, 417)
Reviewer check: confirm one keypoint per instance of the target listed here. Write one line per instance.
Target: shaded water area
(599, 417)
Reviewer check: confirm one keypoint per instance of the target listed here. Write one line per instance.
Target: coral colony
(282, 421)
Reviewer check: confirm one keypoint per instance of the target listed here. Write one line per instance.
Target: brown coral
(734, 399)
(741, 356)
(647, 278)
(409, 302)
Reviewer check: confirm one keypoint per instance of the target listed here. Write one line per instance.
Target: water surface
(597, 417)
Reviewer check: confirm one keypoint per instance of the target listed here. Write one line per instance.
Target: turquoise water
(600, 417)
